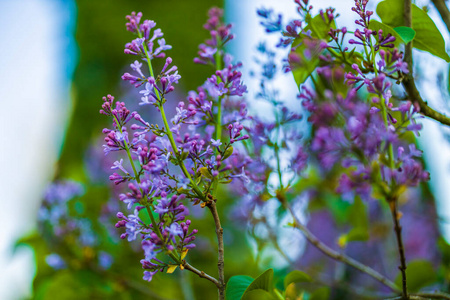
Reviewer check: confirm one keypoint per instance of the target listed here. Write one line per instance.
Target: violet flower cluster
(58, 223)
(366, 138)
(361, 140)
(369, 139)
(184, 160)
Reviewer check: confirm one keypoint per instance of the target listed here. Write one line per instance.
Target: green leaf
(359, 219)
(419, 273)
(375, 26)
(205, 172)
(307, 64)
(320, 27)
(228, 152)
(322, 293)
(391, 12)
(262, 282)
(258, 294)
(428, 37)
(184, 155)
(406, 33)
(338, 207)
(236, 286)
(296, 276)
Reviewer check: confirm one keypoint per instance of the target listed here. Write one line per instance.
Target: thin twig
(201, 274)
(274, 240)
(329, 281)
(220, 261)
(443, 11)
(408, 80)
(434, 295)
(412, 297)
(424, 295)
(393, 203)
(339, 256)
(415, 97)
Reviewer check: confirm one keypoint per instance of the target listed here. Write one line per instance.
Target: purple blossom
(241, 176)
(174, 229)
(271, 22)
(55, 261)
(149, 275)
(216, 143)
(149, 250)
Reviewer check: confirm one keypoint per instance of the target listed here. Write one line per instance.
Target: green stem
(384, 111)
(277, 150)
(277, 156)
(218, 59)
(136, 176)
(386, 124)
(177, 153)
(219, 120)
(166, 125)
(127, 148)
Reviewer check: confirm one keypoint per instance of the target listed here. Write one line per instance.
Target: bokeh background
(58, 58)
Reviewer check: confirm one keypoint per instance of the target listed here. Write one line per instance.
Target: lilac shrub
(331, 171)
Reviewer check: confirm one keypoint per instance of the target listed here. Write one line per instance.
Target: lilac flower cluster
(61, 225)
(211, 52)
(358, 140)
(54, 210)
(192, 143)
(270, 22)
(365, 138)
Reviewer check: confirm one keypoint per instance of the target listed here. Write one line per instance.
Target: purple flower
(174, 229)
(55, 261)
(271, 22)
(133, 226)
(149, 275)
(118, 165)
(216, 143)
(221, 89)
(136, 66)
(133, 21)
(105, 260)
(162, 206)
(241, 176)
(149, 250)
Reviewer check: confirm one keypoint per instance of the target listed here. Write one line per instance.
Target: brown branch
(220, 262)
(201, 274)
(408, 81)
(435, 295)
(415, 97)
(425, 295)
(339, 256)
(443, 11)
(411, 297)
(393, 204)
